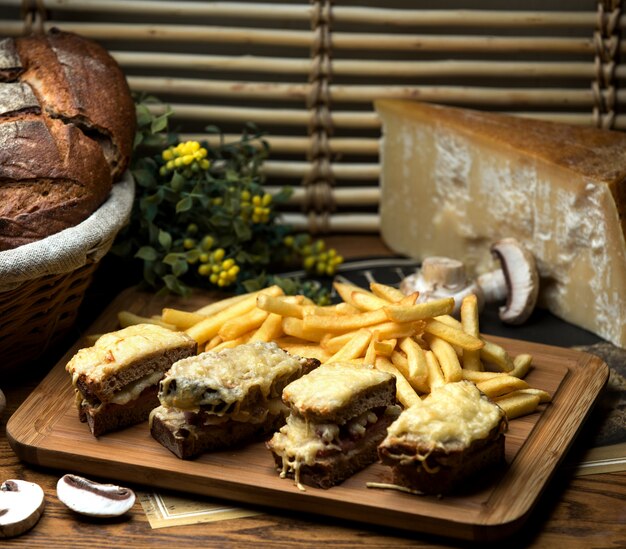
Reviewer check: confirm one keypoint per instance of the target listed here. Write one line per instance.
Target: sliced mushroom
(21, 505)
(91, 498)
(518, 280)
(3, 402)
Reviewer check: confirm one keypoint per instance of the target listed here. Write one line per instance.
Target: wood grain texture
(535, 446)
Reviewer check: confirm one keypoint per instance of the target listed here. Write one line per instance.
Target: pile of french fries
(421, 344)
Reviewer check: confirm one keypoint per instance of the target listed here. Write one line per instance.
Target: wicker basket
(37, 312)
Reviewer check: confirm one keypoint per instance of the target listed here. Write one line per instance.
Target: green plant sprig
(202, 218)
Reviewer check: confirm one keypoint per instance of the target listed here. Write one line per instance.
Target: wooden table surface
(588, 511)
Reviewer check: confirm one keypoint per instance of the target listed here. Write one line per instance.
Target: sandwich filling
(301, 442)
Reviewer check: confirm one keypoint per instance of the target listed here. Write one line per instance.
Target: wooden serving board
(46, 431)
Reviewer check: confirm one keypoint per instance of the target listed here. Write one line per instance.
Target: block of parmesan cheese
(455, 180)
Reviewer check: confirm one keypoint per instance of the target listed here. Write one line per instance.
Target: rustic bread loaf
(67, 124)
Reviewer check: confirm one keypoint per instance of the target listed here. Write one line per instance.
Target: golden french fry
(384, 347)
(295, 327)
(435, 375)
(469, 322)
(305, 349)
(450, 321)
(370, 353)
(448, 360)
(354, 348)
(452, 335)
(386, 292)
(347, 309)
(521, 365)
(416, 361)
(217, 306)
(344, 323)
(126, 318)
(281, 305)
(181, 319)
(229, 344)
(405, 394)
(209, 327)
(345, 291)
(236, 327)
(396, 330)
(516, 405)
(333, 342)
(270, 330)
(544, 396)
(368, 301)
(501, 385)
(214, 342)
(409, 299)
(419, 311)
(495, 354)
(477, 376)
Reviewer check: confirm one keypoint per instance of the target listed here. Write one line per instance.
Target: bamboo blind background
(306, 73)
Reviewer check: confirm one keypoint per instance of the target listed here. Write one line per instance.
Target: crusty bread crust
(186, 442)
(78, 81)
(446, 469)
(102, 390)
(67, 124)
(107, 417)
(51, 175)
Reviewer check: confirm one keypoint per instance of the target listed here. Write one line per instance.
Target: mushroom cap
(93, 499)
(522, 280)
(21, 505)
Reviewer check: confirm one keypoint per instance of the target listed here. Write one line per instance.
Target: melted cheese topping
(115, 351)
(227, 376)
(331, 386)
(452, 413)
(299, 441)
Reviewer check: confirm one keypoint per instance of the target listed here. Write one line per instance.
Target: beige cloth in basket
(70, 249)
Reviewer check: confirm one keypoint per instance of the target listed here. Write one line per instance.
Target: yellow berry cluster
(255, 208)
(317, 259)
(188, 157)
(221, 272)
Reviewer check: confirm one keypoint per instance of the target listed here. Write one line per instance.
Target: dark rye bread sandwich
(218, 400)
(339, 414)
(67, 124)
(117, 379)
(447, 440)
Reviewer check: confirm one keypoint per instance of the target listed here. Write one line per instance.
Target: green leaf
(242, 229)
(165, 239)
(159, 123)
(184, 205)
(173, 258)
(147, 253)
(144, 116)
(180, 268)
(144, 178)
(177, 183)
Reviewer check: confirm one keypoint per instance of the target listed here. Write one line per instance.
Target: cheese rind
(454, 181)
